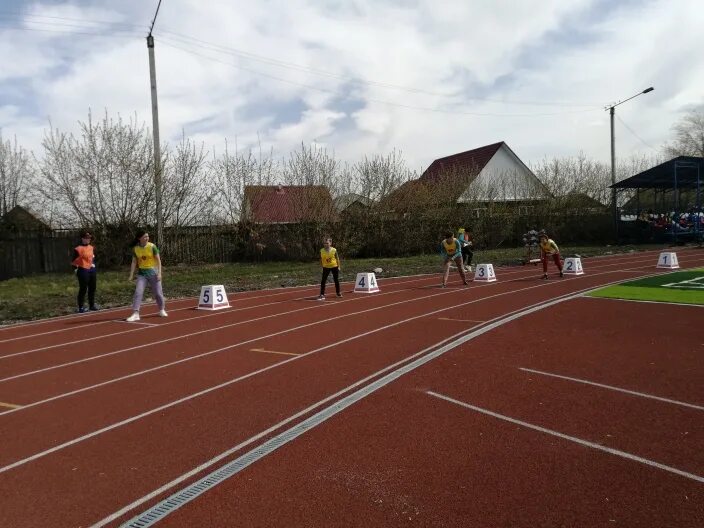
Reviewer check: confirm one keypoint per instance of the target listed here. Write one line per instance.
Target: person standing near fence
(147, 260)
(331, 263)
(84, 267)
(549, 248)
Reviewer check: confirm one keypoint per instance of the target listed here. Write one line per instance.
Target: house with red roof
(492, 173)
(288, 204)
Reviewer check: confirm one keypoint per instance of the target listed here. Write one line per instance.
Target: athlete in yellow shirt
(548, 247)
(330, 260)
(147, 261)
(451, 250)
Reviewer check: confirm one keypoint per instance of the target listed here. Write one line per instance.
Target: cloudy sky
(360, 77)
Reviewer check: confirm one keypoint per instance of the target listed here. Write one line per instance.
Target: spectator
(84, 266)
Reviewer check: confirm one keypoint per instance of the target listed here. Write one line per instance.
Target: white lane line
(211, 330)
(134, 322)
(273, 352)
(190, 358)
(617, 389)
(574, 439)
(92, 324)
(13, 326)
(232, 468)
(611, 264)
(193, 301)
(210, 314)
(456, 341)
(391, 281)
(197, 356)
(252, 439)
(241, 343)
(460, 320)
(669, 303)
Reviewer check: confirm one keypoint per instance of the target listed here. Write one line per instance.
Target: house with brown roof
(287, 204)
(23, 219)
(352, 204)
(492, 173)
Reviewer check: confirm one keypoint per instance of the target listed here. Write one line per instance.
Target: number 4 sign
(213, 297)
(366, 283)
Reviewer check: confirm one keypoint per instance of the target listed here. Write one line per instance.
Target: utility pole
(614, 205)
(155, 130)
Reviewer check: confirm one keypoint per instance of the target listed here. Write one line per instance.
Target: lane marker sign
(485, 273)
(213, 297)
(668, 260)
(366, 283)
(573, 266)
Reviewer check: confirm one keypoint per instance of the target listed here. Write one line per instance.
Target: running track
(515, 403)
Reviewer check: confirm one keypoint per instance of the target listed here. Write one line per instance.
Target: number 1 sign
(213, 298)
(668, 260)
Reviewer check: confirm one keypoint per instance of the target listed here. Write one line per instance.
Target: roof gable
(348, 200)
(469, 164)
(279, 204)
(23, 218)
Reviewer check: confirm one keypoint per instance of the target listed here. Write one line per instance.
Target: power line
(389, 103)
(69, 32)
(155, 15)
(636, 135)
(29, 16)
(209, 46)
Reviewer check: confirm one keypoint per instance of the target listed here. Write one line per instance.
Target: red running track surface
(105, 423)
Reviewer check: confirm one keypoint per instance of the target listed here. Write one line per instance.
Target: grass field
(55, 294)
(677, 287)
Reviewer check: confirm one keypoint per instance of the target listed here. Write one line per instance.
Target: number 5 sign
(213, 298)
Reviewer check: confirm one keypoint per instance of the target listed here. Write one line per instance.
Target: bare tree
(16, 175)
(311, 166)
(232, 173)
(378, 176)
(103, 176)
(689, 135)
(186, 194)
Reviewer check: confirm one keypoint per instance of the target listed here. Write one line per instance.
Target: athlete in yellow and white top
(548, 247)
(330, 260)
(451, 250)
(146, 258)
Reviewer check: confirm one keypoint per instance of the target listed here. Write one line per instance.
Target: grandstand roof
(681, 172)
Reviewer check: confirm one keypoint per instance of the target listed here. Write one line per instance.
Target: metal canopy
(682, 172)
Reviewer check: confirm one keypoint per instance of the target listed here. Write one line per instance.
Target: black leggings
(326, 272)
(86, 281)
(467, 255)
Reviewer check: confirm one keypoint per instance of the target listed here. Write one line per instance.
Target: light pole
(614, 207)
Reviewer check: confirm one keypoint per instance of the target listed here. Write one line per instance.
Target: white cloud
(510, 51)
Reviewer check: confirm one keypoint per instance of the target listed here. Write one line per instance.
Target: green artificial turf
(677, 287)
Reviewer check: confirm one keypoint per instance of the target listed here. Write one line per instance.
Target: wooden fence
(30, 253)
(362, 236)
